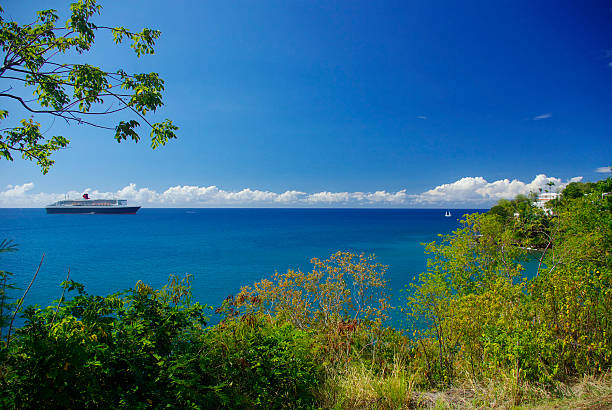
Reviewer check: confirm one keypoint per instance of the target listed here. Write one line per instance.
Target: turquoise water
(223, 248)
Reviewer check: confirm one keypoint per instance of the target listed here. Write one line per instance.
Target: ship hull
(93, 210)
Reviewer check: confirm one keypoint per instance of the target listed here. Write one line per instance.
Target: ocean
(223, 249)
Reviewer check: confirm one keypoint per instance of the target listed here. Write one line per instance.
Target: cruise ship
(91, 206)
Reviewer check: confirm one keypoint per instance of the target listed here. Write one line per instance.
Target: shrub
(150, 348)
(573, 304)
(473, 314)
(248, 362)
(95, 351)
(343, 301)
(470, 282)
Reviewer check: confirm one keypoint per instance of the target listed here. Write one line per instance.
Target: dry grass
(504, 393)
(358, 387)
(589, 393)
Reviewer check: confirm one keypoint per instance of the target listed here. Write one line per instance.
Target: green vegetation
(476, 316)
(479, 332)
(577, 189)
(80, 94)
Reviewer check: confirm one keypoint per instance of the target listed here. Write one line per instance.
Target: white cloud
(329, 197)
(14, 191)
(289, 196)
(604, 170)
(209, 196)
(542, 117)
(465, 192)
(19, 196)
(421, 117)
(479, 191)
(357, 198)
(398, 197)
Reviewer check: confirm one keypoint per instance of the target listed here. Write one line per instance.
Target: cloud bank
(466, 192)
(477, 190)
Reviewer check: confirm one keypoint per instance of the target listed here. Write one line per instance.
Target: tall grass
(361, 387)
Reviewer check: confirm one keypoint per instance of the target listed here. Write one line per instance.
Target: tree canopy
(80, 94)
(578, 189)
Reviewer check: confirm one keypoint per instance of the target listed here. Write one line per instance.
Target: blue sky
(348, 97)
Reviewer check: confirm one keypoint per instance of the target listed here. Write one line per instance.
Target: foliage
(343, 305)
(458, 296)
(75, 93)
(248, 362)
(584, 232)
(150, 348)
(343, 300)
(572, 305)
(572, 294)
(343, 287)
(506, 209)
(576, 190)
(530, 225)
(95, 351)
(475, 315)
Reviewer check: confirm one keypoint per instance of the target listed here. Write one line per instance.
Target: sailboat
(447, 214)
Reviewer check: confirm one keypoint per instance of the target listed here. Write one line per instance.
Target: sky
(344, 104)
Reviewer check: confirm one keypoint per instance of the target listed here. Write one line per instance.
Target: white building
(544, 198)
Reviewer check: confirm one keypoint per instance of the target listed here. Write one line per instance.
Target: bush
(474, 315)
(249, 362)
(150, 348)
(95, 351)
(342, 301)
(573, 304)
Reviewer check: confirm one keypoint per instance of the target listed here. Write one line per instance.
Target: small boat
(447, 214)
(91, 206)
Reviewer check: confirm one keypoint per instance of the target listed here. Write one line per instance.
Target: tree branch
(132, 108)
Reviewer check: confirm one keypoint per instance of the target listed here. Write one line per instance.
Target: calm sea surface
(223, 248)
